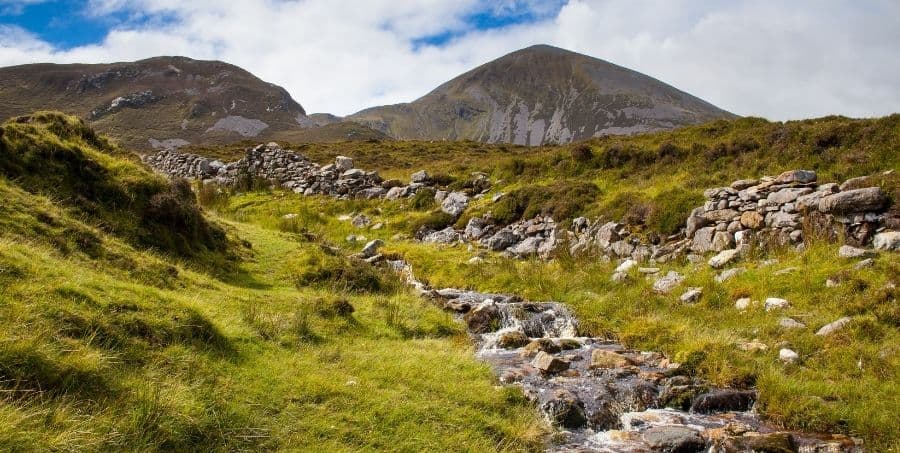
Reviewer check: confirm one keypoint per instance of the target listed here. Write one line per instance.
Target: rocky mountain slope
(167, 102)
(541, 95)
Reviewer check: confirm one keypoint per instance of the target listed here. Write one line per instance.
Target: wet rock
(790, 323)
(858, 200)
(666, 284)
(788, 356)
(567, 344)
(548, 363)
(796, 177)
(565, 409)
(775, 303)
(692, 295)
(371, 248)
(673, 439)
(455, 203)
(723, 258)
(483, 319)
(541, 345)
(833, 327)
(603, 359)
(723, 401)
(512, 340)
(848, 251)
(761, 443)
(888, 240)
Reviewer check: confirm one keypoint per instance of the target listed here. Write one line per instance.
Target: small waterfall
(603, 397)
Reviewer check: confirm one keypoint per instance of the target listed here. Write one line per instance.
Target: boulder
(483, 318)
(420, 177)
(774, 303)
(548, 363)
(513, 339)
(742, 304)
(752, 220)
(343, 163)
(729, 274)
(796, 177)
(673, 438)
(603, 359)
(371, 248)
(353, 173)
(703, 239)
(626, 266)
(607, 234)
(455, 203)
(621, 248)
(723, 258)
(787, 195)
(857, 200)
(695, 222)
(395, 193)
(528, 247)
(723, 401)
(501, 240)
(788, 356)
(848, 251)
(565, 409)
(722, 240)
(887, 240)
(476, 228)
(833, 327)
(540, 344)
(692, 295)
(790, 323)
(361, 221)
(721, 215)
(742, 184)
(667, 283)
(762, 443)
(446, 236)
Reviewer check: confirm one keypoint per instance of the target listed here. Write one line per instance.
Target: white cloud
(767, 58)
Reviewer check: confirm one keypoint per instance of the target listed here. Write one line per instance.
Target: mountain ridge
(538, 95)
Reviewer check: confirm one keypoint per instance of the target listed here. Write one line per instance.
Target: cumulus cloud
(781, 60)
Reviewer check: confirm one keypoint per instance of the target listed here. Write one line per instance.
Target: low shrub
(437, 220)
(423, 199)
(561, 200)
(670, 209)
(343, 275)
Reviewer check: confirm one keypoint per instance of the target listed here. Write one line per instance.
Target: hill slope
(166, 102)
(111, 347)
(540, 95)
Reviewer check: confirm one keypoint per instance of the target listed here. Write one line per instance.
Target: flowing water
(603, 397)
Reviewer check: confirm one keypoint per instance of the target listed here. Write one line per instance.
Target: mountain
(540, 95)
(167, 102)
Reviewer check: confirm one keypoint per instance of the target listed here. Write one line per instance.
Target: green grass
(111, 345)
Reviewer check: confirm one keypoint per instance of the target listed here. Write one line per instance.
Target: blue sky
(769, 58)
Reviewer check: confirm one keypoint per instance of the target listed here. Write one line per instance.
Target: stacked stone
(775, 209)
(183, 165)
(613, 239)
(533, 237)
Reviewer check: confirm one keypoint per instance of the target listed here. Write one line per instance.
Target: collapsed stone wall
(771, 210)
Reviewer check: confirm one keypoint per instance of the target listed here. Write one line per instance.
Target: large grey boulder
(703, 240)
(673, 438)
(530, 246)
(501, 240)
(446, 236)
(455, 203)
(887, 240)
(343, 163)
(475, 229)
(857, 200)
(420, 177)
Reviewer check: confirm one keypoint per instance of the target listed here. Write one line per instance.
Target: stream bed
(603, 397)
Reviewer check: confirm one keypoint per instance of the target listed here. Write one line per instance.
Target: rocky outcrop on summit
(541, 95)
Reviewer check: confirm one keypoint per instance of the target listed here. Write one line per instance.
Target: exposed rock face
(541, 95)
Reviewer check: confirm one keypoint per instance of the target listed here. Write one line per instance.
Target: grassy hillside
(113, 340)
(845, 382)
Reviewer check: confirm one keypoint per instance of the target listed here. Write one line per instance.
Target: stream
(603, 397)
